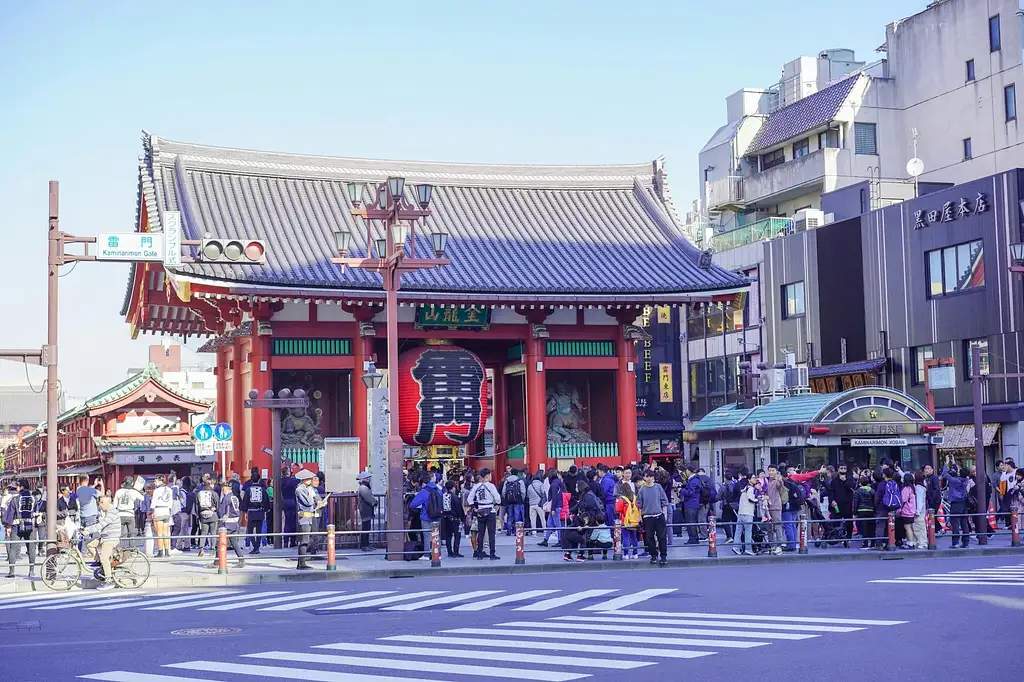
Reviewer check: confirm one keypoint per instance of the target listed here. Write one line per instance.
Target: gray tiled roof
(848, 368)
(803, 115)
(598, 230)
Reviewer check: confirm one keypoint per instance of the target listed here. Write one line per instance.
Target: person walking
(484, 498)
(254, 503)
(653, 503)
(367, 509)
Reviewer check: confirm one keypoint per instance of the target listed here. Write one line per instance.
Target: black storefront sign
(658, 403)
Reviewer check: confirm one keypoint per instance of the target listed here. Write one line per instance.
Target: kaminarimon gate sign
(552, 268)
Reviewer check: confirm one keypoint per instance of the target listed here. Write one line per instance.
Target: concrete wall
(787, 260)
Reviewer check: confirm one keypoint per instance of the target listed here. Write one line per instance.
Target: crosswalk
(995, 576)
(600, 644)
(335, 601)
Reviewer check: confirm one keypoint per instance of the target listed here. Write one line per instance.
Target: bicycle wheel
(61, 571)
(133, 570)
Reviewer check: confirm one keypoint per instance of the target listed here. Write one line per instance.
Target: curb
(214, 580)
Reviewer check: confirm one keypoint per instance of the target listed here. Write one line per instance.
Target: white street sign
(877, 442)
(131, 246)
(221, 445)
(204, 448)
(172, 238)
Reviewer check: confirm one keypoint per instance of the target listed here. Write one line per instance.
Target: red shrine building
(539, 316)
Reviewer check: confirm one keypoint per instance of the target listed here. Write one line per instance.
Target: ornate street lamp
(343, 240)
(439, 240)
(374, 378)
(423, 193)
(1017, 257)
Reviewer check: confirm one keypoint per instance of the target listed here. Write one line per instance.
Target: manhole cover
(197, 632)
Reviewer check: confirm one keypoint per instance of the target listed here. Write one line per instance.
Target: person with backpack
(254, 504)
(187, 513)
(126, 502)
(18, 518)
(207, 506)
(864, 508)
(628, 513)
(229, 515)
(513, 500)
(887, 501)
(484, 498)
(430, 506)
(692, 493)
(537, 498)
(452, 517)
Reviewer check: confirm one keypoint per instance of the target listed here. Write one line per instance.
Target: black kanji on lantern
(450, 389)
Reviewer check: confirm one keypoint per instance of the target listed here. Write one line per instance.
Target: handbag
(546, 507)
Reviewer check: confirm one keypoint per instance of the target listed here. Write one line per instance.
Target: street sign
(277, 402)
(222, 431)
(130, 246)
(204, 448)
(878, 442)
(172, 238)
(203, 432)
(941, 377)
(221, 445)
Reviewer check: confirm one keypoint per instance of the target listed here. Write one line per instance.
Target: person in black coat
(840, 495)
(933, 489)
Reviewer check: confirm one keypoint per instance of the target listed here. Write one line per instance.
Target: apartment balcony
(792, 179)
(724, 193)
(769, 228)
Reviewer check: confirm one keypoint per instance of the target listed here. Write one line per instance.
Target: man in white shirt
(483, 499)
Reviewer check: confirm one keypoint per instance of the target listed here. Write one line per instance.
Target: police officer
(18, 518)
(307, 503)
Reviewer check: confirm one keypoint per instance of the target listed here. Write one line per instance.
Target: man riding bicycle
(107, 532)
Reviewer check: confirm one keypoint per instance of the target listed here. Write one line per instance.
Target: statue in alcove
(565, 415)
(300, 428)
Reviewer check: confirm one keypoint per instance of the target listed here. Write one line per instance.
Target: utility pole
(56, 251)
(980, 479)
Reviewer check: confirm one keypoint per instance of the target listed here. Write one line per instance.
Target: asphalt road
(936, 619)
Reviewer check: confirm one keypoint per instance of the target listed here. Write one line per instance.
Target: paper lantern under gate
(442, 396)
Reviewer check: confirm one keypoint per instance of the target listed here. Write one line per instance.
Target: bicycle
(62, 571)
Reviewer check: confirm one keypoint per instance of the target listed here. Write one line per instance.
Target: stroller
(830, 532)
(759, 534)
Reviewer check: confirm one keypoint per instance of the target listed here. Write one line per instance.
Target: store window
(920, 355)
(955, 269)
(792, 300)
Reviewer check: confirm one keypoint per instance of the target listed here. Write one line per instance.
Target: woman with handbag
(539, 503)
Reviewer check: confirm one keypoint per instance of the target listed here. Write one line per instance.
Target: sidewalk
(274, 566)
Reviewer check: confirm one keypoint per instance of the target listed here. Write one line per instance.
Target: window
(801, 148)
(994, 43)
(792, 300)
(695, 322)
(864, 138)
(920, 355)
(968, 355)
(968, 154)
(828, 139)
(970, 70)
(1010, 101)
(773, 159)
(955, 268)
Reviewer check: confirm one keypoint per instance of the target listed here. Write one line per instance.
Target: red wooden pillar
(536, 405)
(238, 396)
(625, 399)
(260, 379)
(362, 349)
(499, 423)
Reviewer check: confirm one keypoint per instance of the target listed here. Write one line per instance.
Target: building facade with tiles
(562, 281)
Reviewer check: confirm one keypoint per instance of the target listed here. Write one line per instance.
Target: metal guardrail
(767, 228)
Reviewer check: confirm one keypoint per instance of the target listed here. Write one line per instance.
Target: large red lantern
(442, 396)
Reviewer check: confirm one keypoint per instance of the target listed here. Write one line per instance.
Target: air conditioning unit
(797, 380)
(808, 219)
(771, 381)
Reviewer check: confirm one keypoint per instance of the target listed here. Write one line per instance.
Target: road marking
(135, 600)
(417, 666)
(968, 576)
(736, 616)
(204, 602)
(486, 655)
(234, 668)
(161, 600)
(937, 581)
(384, 600)
(294, 606)
(521, 644)
(125, 676)
(996, 600)
(504, 599)
(441, 600)
(262, 602)
(555, 602)
(628, 600)
(710, 623)
(634, 639)
(649, 629)
(42, 600)
(18, 601)
(76, 602)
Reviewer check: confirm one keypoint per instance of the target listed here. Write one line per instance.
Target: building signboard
(878, 442)
(657, 371)
(449, 318)
(950, 211)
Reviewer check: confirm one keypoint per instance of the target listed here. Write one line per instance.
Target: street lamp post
(397, 215)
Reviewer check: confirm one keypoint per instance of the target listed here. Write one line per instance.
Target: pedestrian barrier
(890, 545)
(1014, 528)
(617, 541)
(520, 543)
(802, 530)
(712, 537)
(222, 551)
(332, 558)
(435, 544)
(929, 521)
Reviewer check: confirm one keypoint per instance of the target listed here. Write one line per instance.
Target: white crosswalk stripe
(993, 576)
(450, 599)
(384, 600)
(628, 600)
(197, 603)
(310, 603)
(258, 601)
(498, 601)
(555, 602)
(150, 601)
(553, 649)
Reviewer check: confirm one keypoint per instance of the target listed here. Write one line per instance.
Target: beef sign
(443, 396)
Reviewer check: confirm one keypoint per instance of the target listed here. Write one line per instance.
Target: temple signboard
(452, 319)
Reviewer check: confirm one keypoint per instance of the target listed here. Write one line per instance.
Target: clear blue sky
(573, 81)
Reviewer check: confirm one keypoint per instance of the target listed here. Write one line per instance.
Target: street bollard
(802, 534)
(979, 521)
(435, 544)
(712, 537)
(617, 541)
(929, 522)
(222, 551)
(1014, 528)
(332, 560)
(890, 543)
(520, 544)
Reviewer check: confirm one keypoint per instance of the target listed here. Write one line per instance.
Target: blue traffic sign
(222, 431)
(204, 432)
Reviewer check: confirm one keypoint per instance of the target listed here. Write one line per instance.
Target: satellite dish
(915, 167)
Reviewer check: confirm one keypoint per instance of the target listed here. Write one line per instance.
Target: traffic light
(234, 251)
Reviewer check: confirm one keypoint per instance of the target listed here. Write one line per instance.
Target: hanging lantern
(442, 396)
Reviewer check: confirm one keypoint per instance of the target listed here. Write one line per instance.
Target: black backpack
(707, 493)
(513, 492)
(434, 504)
(797, 495)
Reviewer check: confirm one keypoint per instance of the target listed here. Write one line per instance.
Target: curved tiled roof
(516, 229)
(803, 115)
